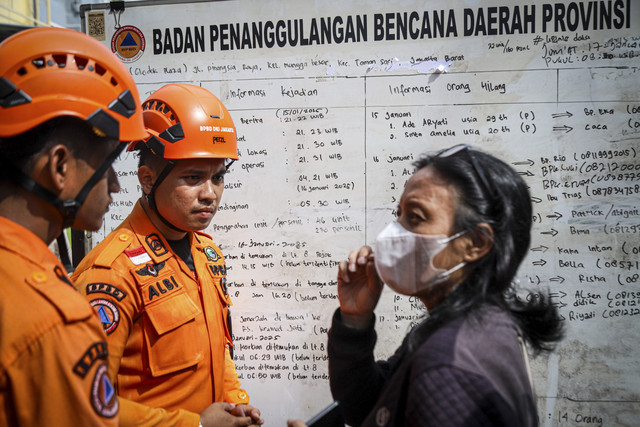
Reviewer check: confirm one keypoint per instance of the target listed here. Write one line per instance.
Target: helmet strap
(151, 197)
(68, 208)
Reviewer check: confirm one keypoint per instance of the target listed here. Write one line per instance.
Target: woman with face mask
(462, 230)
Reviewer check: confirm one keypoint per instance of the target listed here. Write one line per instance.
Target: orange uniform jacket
(53, 354)
(166, 326)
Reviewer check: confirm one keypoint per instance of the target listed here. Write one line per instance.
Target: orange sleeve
(115, 301)
(63, 379)
(133, 414)
(233, 392)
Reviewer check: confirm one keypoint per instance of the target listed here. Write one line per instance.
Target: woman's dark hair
(490, 191)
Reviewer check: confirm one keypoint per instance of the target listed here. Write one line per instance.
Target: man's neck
(33, 214)
(168, 232)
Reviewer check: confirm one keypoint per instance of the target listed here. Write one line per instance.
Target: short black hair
(24, 148)
(149, 158)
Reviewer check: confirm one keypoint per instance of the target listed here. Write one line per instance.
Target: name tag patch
(162, 287)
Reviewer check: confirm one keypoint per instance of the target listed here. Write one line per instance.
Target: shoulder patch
(108, 313)
(96, 352)
(106, 288)
(138, 255)
(103, 394)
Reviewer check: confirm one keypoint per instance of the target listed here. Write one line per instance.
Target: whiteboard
(332, 103)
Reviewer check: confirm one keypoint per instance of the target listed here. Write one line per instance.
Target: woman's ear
(147, 177)
(480, 242)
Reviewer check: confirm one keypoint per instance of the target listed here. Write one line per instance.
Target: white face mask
(404, 260)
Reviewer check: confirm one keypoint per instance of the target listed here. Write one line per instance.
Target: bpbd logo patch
(108, 314)
(103, 394)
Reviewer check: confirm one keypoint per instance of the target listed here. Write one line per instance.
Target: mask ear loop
(453, 237)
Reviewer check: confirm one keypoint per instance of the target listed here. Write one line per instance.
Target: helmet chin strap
(151, 197)
(67, 208)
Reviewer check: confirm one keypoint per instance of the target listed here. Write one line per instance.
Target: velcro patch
(138, 255)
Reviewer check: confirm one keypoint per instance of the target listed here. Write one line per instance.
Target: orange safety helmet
(187, 121)
(50, 72)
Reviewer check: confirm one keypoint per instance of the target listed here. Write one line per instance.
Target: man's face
(190, 195)
(96, 205)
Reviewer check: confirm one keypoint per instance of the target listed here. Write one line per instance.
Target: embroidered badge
(151, 269)
(106, 288)
(97, 351)
(162, 287)
(217, 270)
(103, 394)
(108, 314)
(156, 245)
(138, 255)
(211, 254)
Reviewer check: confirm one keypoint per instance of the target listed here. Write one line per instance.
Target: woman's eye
(415, 218)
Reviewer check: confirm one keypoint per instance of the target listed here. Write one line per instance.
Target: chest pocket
(171, 328)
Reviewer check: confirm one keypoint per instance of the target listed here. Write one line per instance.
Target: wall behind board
(333, 101)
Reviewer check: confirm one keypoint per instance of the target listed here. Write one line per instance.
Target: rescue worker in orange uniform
(159, 284)
(67, 108)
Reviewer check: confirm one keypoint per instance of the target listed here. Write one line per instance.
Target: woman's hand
(359, 288)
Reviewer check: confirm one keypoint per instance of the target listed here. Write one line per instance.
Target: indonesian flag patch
(138, 255)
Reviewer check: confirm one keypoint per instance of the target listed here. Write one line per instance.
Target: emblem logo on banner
(128, 43)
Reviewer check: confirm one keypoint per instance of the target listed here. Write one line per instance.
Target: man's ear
(60, 164)
(146, 177)
(480, 242)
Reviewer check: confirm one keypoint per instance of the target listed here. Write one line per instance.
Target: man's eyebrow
(196, 170)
